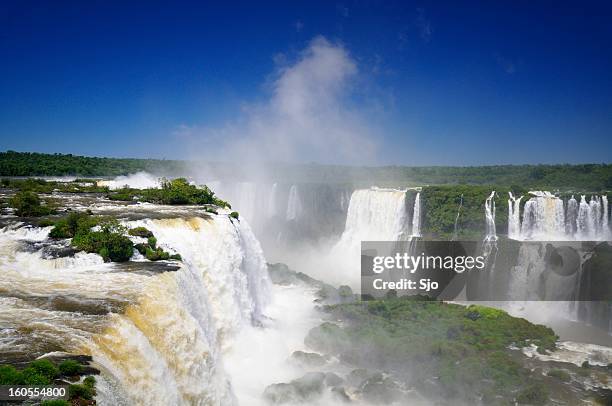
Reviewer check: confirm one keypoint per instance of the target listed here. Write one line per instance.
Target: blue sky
(444, 83)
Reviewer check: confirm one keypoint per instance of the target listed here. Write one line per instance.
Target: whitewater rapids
(158, 339)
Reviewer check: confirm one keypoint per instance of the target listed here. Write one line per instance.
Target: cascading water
(545, 217)
(163, 340)
(294, 206)
(571, 217)
(491, 232)
(376, 215)
(514, 219)
(416, 216)
(456, 225)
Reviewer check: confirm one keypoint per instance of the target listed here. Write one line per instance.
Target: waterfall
(375, 215)
(545, 217)
(514, 219)
(604, 219)
(272, 201)
(294, 206)
(164, 338)
(571, 216)
(584, 221)
(416, 216)
(456, 225)
(491, 233)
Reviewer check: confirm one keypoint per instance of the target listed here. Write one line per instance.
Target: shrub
(156, 254)
(89, 381)
(55, 402)
(234, 215)
(28, 204)
(152, 241)
(45, 368)
(33, 377)
(535, 394)
(110, 242)
(70, 367)
(73, 224)
(80, 391)
(10, 376)
(140, 232)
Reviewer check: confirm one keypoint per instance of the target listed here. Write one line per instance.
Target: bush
(70, 367)
(110, 242)
(80, 391)
(140, 232)
(152, 241)
(535, 394)
(33, 377)
(156, 254)
(90, 382)
(10, 376)
(55, 402)
(44, 367)
(28, 204)
(234, 215)
(72, 225)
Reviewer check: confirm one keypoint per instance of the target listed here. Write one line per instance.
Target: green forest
(582, 177)
(36, 164)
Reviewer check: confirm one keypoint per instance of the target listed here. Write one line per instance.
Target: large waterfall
(376, 215)
(547, 217)
(158, 337)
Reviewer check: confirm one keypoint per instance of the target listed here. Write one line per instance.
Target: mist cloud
(310, 115)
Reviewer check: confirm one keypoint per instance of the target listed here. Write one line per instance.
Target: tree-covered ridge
(583, 177)
(36, 164)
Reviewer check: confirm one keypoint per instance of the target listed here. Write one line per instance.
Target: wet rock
(305, 389)
(308, 359)
(379, 389)
(359, 376)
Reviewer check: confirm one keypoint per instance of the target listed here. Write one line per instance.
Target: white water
(166, 347)
(546, 217)
(375, 215)
(294, 206)
(491, 233)
(139, 180)
(416, 216)
(514, 219)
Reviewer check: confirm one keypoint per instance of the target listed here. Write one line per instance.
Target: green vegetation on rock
(50, 186)
(464, 349)
(110, 242)
(43, 371)
(172, 192)
(70, 367)
(28, 204)
(55, 402)
(140, 232)
(73, 224)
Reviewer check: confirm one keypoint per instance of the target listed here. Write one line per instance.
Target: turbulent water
(548, 217)
(200, 332)
(158, 337)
